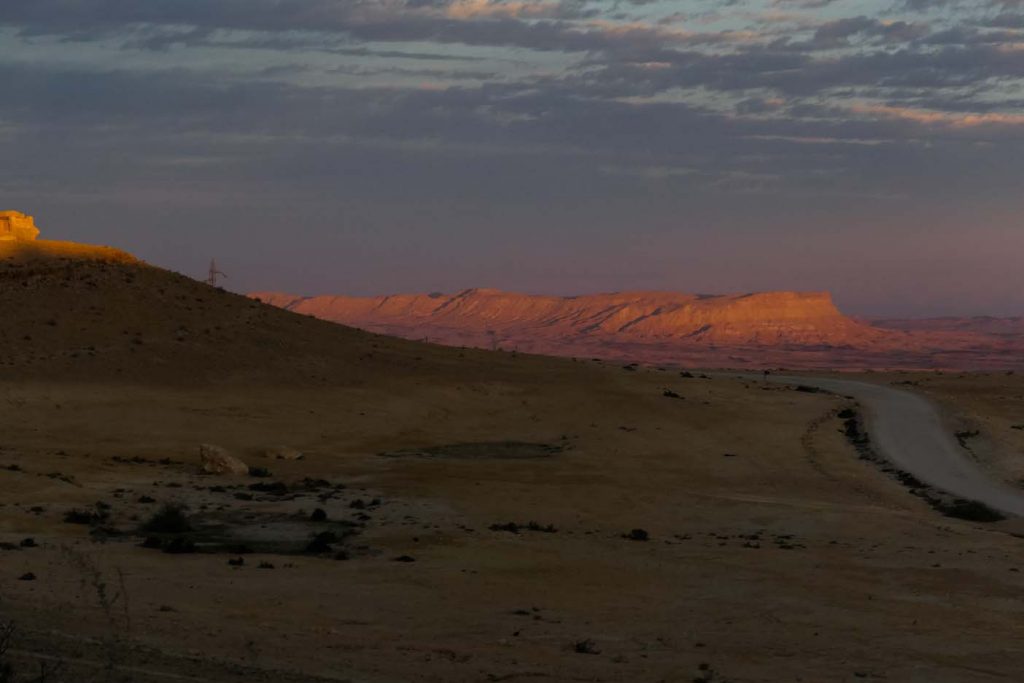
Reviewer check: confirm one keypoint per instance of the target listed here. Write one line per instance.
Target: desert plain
(416, 512)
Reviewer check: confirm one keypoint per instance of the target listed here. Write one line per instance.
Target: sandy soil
(772, 552)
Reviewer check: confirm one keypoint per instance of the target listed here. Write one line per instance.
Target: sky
(871, 148)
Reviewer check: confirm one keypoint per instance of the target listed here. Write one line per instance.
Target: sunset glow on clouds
(533, 144)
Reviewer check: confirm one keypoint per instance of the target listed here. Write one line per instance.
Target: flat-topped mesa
(17, 226)
(475, 316)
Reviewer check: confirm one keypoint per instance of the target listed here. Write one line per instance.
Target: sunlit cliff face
(15, 225)
(787, 329)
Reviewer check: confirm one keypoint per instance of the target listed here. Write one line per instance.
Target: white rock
(215, 460)
(285, 453)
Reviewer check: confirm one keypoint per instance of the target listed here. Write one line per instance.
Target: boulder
(215, 460)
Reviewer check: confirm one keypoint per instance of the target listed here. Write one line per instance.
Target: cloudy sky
(874, 148)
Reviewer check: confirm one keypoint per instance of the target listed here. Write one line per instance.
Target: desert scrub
(169, 519)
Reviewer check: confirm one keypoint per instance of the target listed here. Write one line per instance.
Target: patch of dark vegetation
(134, 460)
(585, 647)
(146, 500)
(685, 374)
(810, 390)
(513, 528)
(93, 517)
(238, 532)
(908, 479)
(1019, 427)
(945, 503)
(169, 519)
(855, 433)
(139, 460)
(485, 450)
(60, 476)
(668, 393)
(277, 488)
(971, 510)
(405, 558)
(963, 436)
(318, 515)
(321, 543)
(260, 472)
(637, 535)
(309, 484)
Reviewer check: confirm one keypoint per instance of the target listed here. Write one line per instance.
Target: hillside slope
(72, 310)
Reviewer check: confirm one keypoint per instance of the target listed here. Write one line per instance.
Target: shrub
(277, 488)
(76, 516)
(169, 519)
(971, 510)
(321, 543)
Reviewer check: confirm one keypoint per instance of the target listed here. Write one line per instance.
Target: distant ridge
(791, 329)
(793, 318)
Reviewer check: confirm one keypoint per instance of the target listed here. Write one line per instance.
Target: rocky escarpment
(767, 329)
(482, 316)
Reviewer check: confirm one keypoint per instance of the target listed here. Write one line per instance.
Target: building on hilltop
(15, 225)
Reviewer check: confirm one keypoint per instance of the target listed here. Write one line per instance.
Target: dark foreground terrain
(410, 512)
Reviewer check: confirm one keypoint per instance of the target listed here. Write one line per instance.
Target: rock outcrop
(17, 226)
(215, 460)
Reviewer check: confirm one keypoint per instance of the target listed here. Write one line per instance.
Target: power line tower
(214, 274)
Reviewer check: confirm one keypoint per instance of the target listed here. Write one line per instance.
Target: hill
(73, 310)
(976, 325)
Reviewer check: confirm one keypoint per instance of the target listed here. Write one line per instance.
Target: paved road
(906, 429)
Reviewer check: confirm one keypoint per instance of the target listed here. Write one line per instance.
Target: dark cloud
(413, 126)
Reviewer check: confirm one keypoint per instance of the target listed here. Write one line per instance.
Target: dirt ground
(723, 532)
